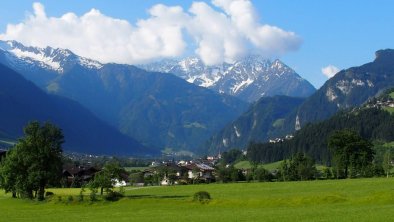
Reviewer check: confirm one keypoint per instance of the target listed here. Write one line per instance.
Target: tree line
(351, 157)
(371, 124)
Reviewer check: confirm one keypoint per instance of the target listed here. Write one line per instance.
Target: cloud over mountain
(330, 71)
(221, 31)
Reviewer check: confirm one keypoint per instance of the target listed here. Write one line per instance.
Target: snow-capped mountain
(42, 65)
(49, 58)
(249, 79)
(158, 110)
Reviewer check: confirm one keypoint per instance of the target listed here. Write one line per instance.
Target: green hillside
(21, 102)
(370, 123)
(256, 124)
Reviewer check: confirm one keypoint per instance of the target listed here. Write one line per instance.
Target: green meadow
(247, 165)
(269, 166)
(330, 200)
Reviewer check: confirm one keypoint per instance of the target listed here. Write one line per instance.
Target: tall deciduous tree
(34, 162)
(350, 153)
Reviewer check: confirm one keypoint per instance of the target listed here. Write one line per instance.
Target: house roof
(79, 170)
(204, 166)
(199, 166)
(171, 165)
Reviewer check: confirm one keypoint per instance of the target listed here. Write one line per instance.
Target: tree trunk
(41, 193)
(13, 194)
(346, 169)
(101, 192)
(29, 194)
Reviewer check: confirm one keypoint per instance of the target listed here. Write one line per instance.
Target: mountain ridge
(159, 110)
(348, 88)
(249, 78)
(22, 102)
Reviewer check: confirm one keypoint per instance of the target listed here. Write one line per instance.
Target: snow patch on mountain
(237, 132)
(47, 58)
(241, 85)
(40, 57)
(90, 63)
(249, 78)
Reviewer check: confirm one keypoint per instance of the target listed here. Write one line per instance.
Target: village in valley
(156, 173)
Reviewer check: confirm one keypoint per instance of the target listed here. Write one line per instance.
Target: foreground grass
(343, 200)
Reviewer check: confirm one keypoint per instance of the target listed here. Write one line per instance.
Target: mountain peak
(54, 59)
(384, 55)
(249, 78)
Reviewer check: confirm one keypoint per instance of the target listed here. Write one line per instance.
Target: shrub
(93, 196)
(122, 191)
(70, 199)
(80, 196)
(202, 197)
(113, 196)
(48, 194)
(262, 174)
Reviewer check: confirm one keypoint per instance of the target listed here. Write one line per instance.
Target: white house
(199, 170)
(120, 183)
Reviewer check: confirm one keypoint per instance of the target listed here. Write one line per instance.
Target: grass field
(246, 165)
(343, 200)
(389, 144)
(269, 166)
(389, 109)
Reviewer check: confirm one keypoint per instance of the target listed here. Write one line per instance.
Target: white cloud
(330, 71)
(223, 31)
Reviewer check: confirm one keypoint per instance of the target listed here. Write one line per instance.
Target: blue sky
(338, 33)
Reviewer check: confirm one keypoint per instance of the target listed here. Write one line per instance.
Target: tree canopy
(107, 177)
(34, 162)
(298, 167)
(352, 155)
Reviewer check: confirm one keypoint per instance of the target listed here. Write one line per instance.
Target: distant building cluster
(380, 103)
(181, 172)
(280, 140)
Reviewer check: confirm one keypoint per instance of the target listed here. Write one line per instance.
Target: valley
(204, 110)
